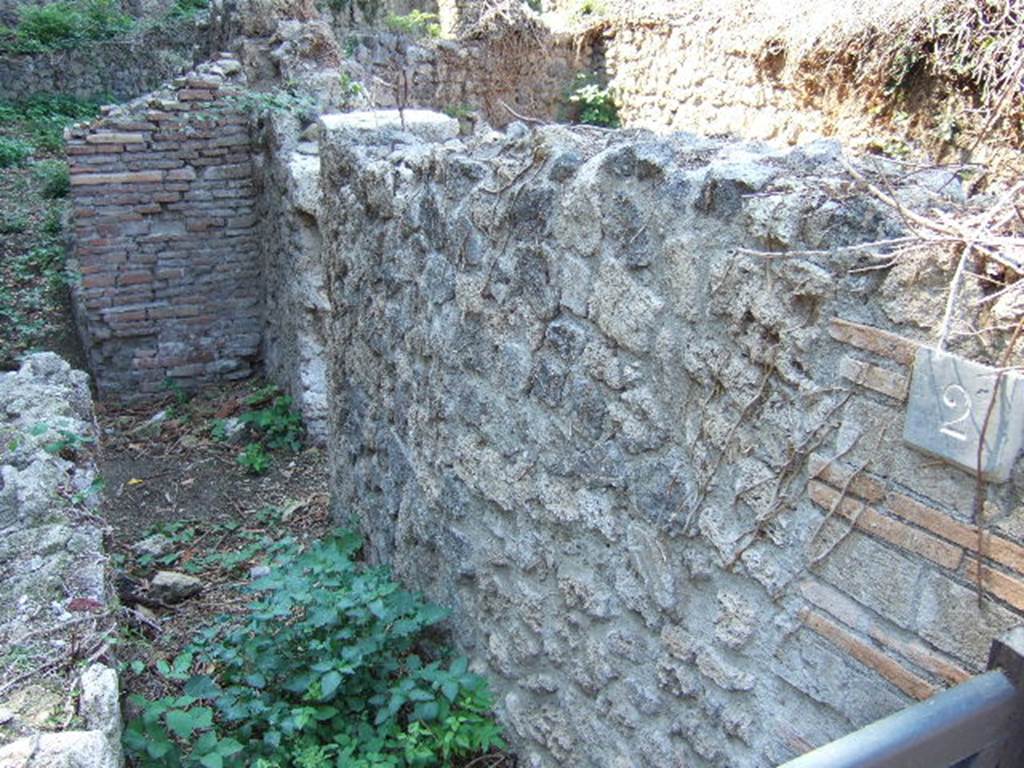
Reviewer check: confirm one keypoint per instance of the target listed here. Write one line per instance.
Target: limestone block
(426, 125)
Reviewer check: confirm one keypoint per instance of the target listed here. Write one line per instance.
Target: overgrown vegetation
(587, 10)
(289, 99)
(186, 9)
(64, 24)
(13, 151)
(330, 665)
(33, 182)
(41, 121)
(593, 104)
(272, 420)
(955, 68)
(416, 23)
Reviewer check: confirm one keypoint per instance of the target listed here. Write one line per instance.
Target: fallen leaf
(85, 605)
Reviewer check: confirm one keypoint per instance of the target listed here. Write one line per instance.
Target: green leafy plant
(459, 111)
(13, 223)
(13, 151)
(350, 88)
(43, 261)
(279, 424)
(589, 9)
(254, 459)
(94, 489)
(595, 105)
(181, 397)
(53, 224)
(185, 9)
(415, 23)
(331, 665)
(53, 177)
(42, 119)
(278, 100)
(64, 24)
(69, 444)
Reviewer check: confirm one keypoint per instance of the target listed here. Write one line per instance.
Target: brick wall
(164, 240)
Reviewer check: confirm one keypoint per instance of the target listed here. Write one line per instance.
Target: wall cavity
(660, 481)
(165, 239)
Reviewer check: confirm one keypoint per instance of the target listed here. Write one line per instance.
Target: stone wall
(164, 238)
(56, 603)
(782, 73)
(671, 75)
(531, 75)
(117, 69)
(660, 481)
(295, 294)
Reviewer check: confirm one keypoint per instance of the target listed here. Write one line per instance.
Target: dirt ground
(166, 474)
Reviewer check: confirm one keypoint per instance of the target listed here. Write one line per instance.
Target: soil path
(166, 476)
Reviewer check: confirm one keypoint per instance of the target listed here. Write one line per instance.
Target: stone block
(111, 137)
(427, 125)
(623, 309)
(949, 616)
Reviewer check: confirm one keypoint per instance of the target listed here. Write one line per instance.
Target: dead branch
(524, 118)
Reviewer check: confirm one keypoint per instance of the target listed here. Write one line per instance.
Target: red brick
(874, 377)
(838, 474)
(996, 548)
(921, 655)
(96, 179)
(195, 94)
(887, 528)
(887, 667)
(855, 616)
(114, 137)
(134, 278)
(997, 583)
(98, 281)
(874, 340)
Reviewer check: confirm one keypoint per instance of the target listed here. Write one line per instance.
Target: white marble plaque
(949, 399)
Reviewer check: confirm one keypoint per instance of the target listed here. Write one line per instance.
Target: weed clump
(416, 24)
(331, 664)
(13, 151)
(594, 104)
(62, 25)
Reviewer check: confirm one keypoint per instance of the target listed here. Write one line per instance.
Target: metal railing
(977, 724)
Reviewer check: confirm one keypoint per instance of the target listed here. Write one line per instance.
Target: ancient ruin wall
(795, 72)
(292, 275)
(661, 482)
(56, 595)
(528, 73)
(119, 69)
(165, 239)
